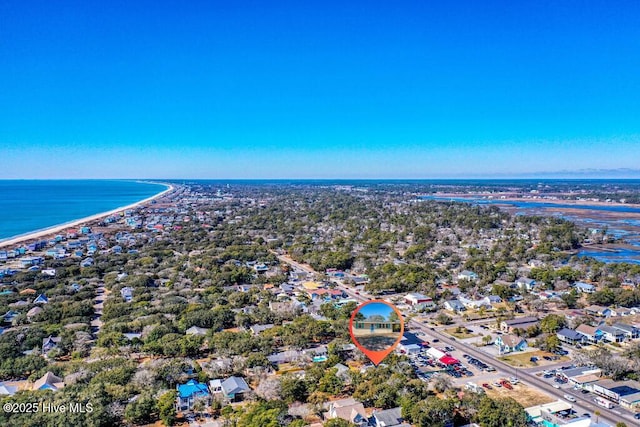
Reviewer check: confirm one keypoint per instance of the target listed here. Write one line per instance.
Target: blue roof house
(190, 393)
(41, 299)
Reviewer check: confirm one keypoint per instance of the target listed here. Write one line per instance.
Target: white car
(569, 398)
(556, 386)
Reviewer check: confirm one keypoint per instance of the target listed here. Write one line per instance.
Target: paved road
(611, 416)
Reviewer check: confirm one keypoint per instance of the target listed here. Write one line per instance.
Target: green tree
(167, 407)
(552, 323)
(141, 410)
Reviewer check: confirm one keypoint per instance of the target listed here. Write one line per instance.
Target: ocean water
(27, 205)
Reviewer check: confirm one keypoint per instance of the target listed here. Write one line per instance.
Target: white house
(467, 275)
(454, 305)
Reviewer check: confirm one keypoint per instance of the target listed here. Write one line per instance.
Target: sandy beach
(58, 228)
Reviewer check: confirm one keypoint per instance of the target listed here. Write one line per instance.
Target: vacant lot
(460, 333)
(523, 394)
(523, 360)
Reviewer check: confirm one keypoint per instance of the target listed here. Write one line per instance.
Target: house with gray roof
(611, 334)
(231, 389)
(388, 418)
(629, 331)
(570, 336)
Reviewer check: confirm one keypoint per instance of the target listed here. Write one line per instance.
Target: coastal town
(228, 305)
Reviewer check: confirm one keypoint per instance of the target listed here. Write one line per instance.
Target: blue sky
(251, 89)
(375, 308)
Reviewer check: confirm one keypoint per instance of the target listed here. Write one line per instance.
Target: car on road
(556, 386)
(637, 416)
(586, 414)
(584, 391)
(569, 398)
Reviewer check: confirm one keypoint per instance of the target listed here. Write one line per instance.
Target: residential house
(467, 275)
(591, 333)
(126, 293)
(7, 390)
(230, 390)
(570, 336)
(49, 343)
(87, 262)
(454, 305)
(621, 312)
(9, 316)
(195, 330)
(510, 343)
(630, 332)
(347, 409)
(523, 323)
(585, 288)
(48, 382)
(611, 334)
(191, 392)
(472, 304)
(388, 418)
(525, 283)
(598, 310)
(41, 299)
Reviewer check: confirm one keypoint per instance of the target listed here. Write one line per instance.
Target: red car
(487, 386)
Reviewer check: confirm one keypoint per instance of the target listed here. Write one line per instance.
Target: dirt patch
(523, 394)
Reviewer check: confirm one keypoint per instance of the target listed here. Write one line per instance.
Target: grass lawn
(460, 335)
(287, 368)
(522, 360)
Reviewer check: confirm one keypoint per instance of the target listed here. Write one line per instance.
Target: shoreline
(511, 198)
(59, 227)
